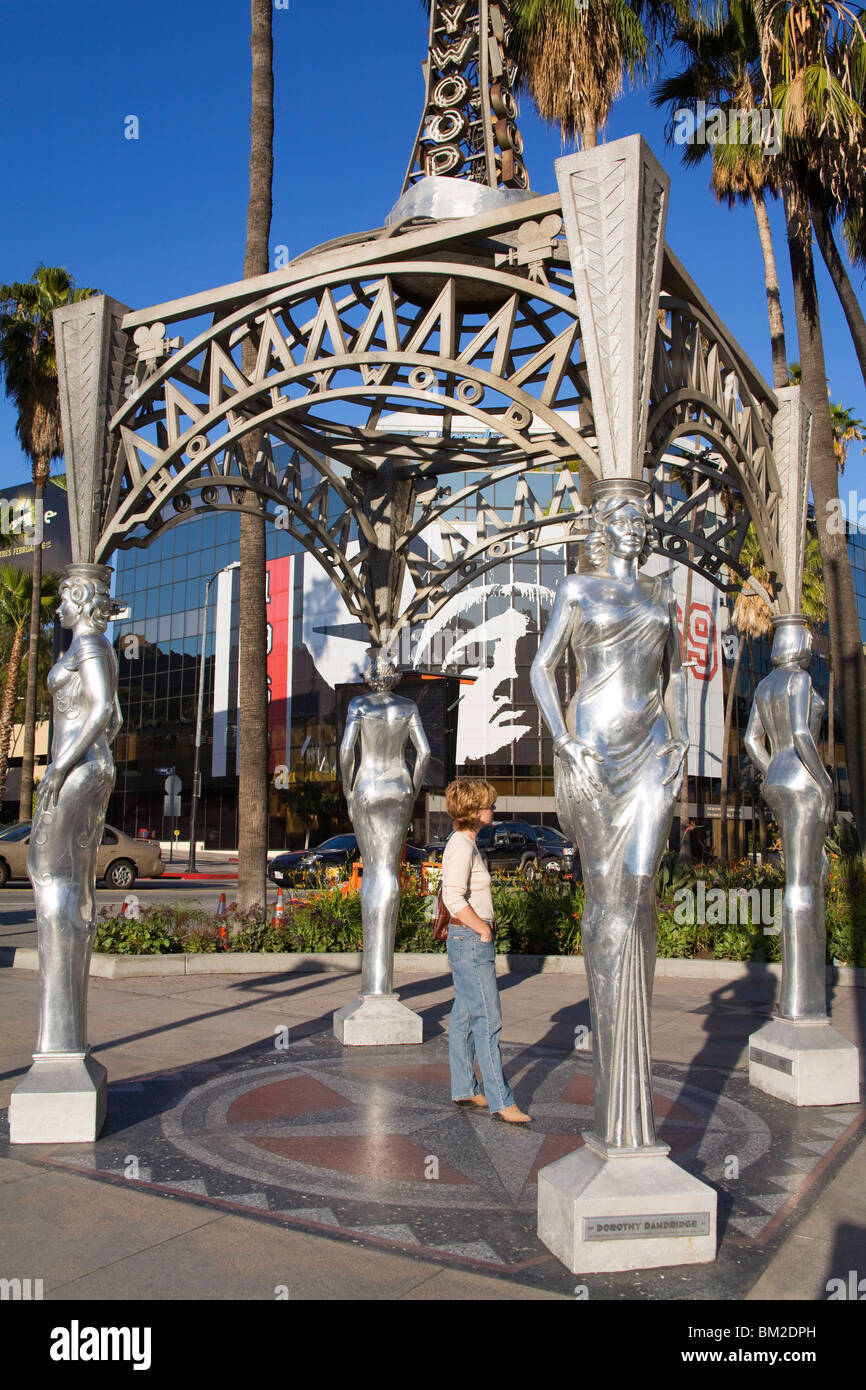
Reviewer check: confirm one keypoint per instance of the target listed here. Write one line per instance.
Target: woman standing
(476, 1019)
(618, 764)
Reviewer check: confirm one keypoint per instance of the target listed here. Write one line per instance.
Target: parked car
(518, 847)
(119, 859)
(338, 852)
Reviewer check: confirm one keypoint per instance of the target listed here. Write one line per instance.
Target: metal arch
(508, 258)
(759, 507)
(150, 405)
(694, 370)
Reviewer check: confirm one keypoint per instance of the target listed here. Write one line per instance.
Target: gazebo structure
(561, 324)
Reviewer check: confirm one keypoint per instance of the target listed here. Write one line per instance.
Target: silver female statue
(70, 808)
(380, 797)
(618, 761)
(787, 712)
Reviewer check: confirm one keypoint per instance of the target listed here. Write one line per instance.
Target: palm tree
(844, 425)
(28, 366)
(838, 195)
(805, 78)
(16, 588)
(845, 429)
(723, 70)
(252, 694)
(573, 56)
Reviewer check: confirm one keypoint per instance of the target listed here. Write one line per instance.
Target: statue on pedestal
(380, 795)
(618, 764)
(787, 712)
(62, 1097)
(70, 807)
(798, 1056)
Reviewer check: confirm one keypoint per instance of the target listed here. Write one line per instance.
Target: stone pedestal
(60, 1101)
(377, 1020)
(603, 1209)
(804, 1063)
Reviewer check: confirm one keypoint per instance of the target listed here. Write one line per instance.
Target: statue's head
(382, 673)
(620, 521)
(85, 597)
(792, 640)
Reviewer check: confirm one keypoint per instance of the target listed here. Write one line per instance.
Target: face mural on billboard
(475, 635)
(478, 635)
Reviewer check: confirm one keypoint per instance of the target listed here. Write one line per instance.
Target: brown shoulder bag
(441, 920)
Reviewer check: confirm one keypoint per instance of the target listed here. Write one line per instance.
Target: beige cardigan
(465, 880)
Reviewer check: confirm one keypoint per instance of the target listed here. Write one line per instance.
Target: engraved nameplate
(674, 1223)
(771, 1059)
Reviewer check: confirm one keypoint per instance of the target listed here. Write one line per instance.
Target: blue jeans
(476, 1019)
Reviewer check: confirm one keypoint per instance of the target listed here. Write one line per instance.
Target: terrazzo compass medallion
(372, 1148)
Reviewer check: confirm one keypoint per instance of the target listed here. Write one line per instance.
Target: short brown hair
(465, 798)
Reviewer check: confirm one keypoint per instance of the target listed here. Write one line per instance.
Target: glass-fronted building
(470, 667)
(484, 640)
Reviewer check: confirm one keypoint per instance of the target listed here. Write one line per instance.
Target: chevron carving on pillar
(614, 202)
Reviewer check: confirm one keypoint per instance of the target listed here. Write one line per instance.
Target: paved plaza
(246, 1151)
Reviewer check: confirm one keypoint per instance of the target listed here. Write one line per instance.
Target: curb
(216, 878)
(107, 966)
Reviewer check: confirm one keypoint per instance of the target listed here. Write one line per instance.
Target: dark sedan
(340, 852)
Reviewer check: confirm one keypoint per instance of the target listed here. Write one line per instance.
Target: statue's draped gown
(795, 799)
(619, 637)
(61, 857)
(380, 807)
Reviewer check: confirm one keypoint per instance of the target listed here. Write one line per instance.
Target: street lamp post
(196, 773)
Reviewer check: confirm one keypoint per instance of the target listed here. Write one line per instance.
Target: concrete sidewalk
(187, 1057)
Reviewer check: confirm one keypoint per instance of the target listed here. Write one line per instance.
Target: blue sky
(155, 218)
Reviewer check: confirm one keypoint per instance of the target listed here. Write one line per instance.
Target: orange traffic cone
(277, 919)
(221, 906)
(224, 937)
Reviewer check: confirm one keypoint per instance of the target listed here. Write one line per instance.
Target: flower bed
(540, 918)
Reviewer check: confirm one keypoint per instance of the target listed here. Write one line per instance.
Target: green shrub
(676, 941)
(539, 918)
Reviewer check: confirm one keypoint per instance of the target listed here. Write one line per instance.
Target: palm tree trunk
(25, 803)
(253, 785)
(10, 693)
(726, 739)
(845, 639)
(844, 288)
(831, 724)
(588, 136)
(774, 303)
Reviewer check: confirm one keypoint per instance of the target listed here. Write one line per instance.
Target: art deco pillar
(798, 1056)
(619, 1202)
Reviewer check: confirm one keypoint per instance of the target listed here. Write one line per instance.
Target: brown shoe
(512, 1115)
(478, 1102)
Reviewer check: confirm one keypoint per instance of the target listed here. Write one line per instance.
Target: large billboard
(228, 665)
(24, 524)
